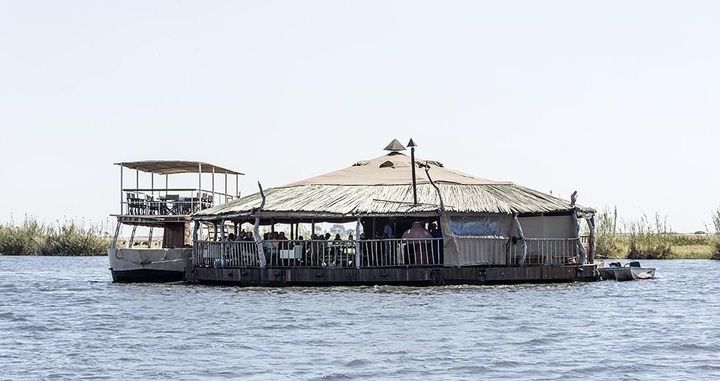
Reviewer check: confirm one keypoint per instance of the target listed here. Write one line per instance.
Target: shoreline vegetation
(652, 238)
(646, 238)
(68, 238)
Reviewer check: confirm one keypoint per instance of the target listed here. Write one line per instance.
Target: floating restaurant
(414, 222)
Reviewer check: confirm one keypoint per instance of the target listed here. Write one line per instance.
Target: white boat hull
(149, 265)
(642, 273)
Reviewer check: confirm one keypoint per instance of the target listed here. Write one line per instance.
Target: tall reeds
(32, 237)
(649, 238)
(716, 223)
(607, 242)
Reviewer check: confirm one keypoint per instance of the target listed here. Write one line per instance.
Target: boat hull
(607, 273)
(147, 276)
(623, 274)
(149, 265)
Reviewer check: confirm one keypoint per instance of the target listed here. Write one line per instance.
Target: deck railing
(547, 251)
(320, 253)
(377, 253)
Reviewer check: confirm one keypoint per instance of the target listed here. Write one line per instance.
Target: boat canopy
(169, 167)
(383, 187)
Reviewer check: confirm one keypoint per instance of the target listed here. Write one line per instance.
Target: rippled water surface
(63, 318)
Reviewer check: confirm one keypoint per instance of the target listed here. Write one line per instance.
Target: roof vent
(387, 164)
(395, 146)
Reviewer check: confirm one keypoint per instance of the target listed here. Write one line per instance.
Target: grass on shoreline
(64, 239)
(652, 239)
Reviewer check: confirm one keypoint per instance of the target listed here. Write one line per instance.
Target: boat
(630, 271)
(607, 273)
(152, 207)
(399, 220)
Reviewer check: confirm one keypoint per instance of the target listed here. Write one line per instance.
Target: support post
(149, 241)
(358, 254)
(414, 182)
(581, 249)
(132, 237)
(521, 236)
(199, 195)
(226, 194)
(195, 254)
(258, 242)
(213, 186)
(222, 243)
(591, 223)
(113, 245)
(122, 198)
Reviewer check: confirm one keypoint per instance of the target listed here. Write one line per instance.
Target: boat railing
(168, 202)
(321, 253)
(379, 253)
(546, 251)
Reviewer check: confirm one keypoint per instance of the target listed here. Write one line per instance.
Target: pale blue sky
(617, 99)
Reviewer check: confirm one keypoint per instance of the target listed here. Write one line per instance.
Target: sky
(615, 99)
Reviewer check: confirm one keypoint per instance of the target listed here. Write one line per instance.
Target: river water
(62, 318)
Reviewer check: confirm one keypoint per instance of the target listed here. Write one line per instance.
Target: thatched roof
(383, 186)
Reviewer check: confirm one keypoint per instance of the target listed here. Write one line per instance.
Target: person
(231, 237)
(337, 237)
(388, 231)
(267, 247)
(283, 245)
(437, 244)
(350, 237)
(417, 250)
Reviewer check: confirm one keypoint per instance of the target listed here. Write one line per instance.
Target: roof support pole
(521, 237)
(258, 242)
(237, 186)
(195, 257)
(199, 195)
(213, 186)
(222, 243)
(414, 182)
(166, 184)
(581, 249)
(358, 254)
(121, 190)
(591, 222)
(226, 194)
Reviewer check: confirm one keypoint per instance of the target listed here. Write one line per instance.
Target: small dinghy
(631, 271)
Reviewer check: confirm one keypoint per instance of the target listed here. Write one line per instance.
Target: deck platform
(409, 276)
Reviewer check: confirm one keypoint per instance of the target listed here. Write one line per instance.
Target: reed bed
(67, 238)
(716, 224)
(651, 238)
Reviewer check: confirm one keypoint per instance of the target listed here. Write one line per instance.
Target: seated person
(417, 251)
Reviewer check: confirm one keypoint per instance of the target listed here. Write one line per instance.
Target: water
(62, 318)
